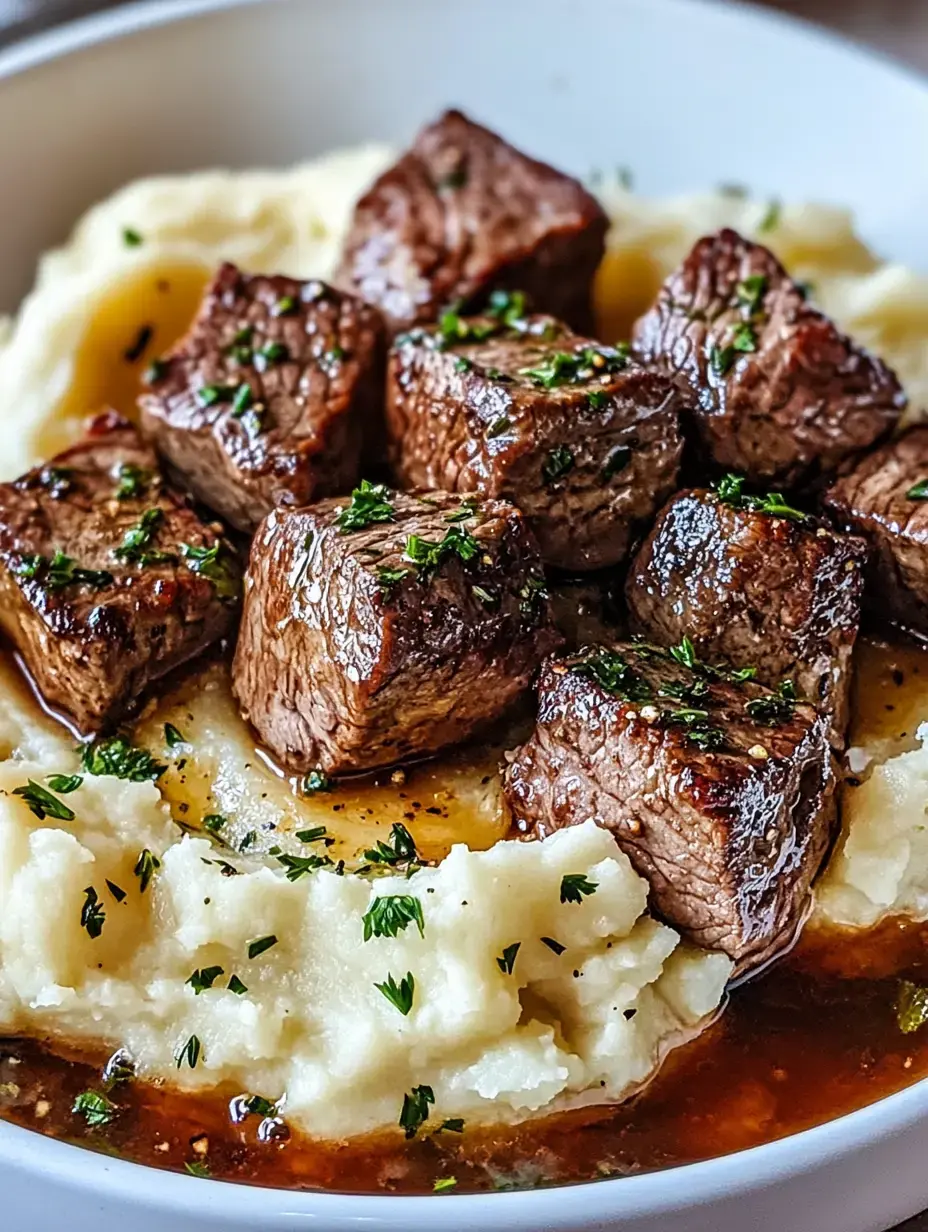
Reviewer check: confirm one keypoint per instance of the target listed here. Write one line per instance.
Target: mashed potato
(597, 1015)
(591, 1021)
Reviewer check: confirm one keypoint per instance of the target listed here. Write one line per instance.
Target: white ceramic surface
(686, 93)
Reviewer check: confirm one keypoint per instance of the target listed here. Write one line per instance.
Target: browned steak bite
(721, 794)
(884, 499)
(463, 212)
(754, 584)
(107, 578)
(780, 394)
(268, 398)
(387, 626)
(583, 439)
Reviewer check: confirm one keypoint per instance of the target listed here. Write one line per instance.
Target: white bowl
(687, 94)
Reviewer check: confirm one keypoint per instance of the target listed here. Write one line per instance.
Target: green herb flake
(911, 1006)
(313, 835)
(576, 886)
(444, 1184)
(173, 737)
(216, 564)
(509, 307)
(272, 353)
(133, 481)
(399, 995)
(400, 850)
(918, 491)
(771, 218)
(370, 503)
(554, 946)
(487, 599)
(261, 945)
(64, 784)
(415, 1110)
(388, 579)
(156, 371)
(137, 540)
(498, 427)
(95, 1108)
(698, 729)
(145, 868)
(743, 338)
(721, 359)
(117, 891)
(577, 367)
(427, 555)
(597, 398)
(213, 822)
(286, 306)
(116, 757)
(203, 978)
(559, 462)
(453, 1125)
(196, 1167)
(611, 672)
(58, 481)
(730, 491)
(770, 711)
(750, 292)
(189, 1053)
(301, 866)
(235, 985)
(42, 803)
(131, 238)
(392, 914)
(507, 959)
(60, 572)
(242, 400)
(210, 395)
(93, 917)
(315, 782)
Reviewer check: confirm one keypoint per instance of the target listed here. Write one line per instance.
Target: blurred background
(899, 27)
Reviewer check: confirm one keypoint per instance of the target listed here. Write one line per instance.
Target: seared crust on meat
(352, 656)
(728, 829)
(780, 393)
(754, 590)
(107, 578)
(874, 501)
(269, 397)
(463, 212)
(584, 440)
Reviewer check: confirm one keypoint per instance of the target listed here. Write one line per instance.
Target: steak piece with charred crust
(754, 588)
(463, 212)
(884, 499)
(387, 627)
(582, 438)
(107, 578)
(269, 397)
(721, 794)
(780, 393)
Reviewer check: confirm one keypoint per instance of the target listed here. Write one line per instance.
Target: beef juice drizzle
(815, 1036)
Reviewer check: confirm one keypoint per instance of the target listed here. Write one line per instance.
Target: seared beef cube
(268, 398)
(584, 440)
(107, 579)
(462, 212)
(753, 588)
(884, 500)
(780, 393)
(721, 795)
(387, 627)
(587, 608)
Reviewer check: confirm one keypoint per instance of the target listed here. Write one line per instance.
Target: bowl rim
(662, 1192)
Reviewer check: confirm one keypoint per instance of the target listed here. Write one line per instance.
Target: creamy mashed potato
(592, 1022)
(312, 1026)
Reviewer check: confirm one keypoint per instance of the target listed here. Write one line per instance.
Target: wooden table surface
(899, 27)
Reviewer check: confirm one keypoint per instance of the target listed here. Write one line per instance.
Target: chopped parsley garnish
(93, 917)
(213, 822)
(313, 835)
(454, 329)
(136, 349)
(391, 915)
(911, 1006)
(235, 985)
(370, 503)
(444, 1184)
(286, 306)
(272, 353)
(388, 579)
(156, 371)
(64, 784)
(95, 1108)
(196, 1167)
(426, 555)
(416, 1109)
(611, 672)
(401, 849)
(117, 891)
(454, 1125)
(507, 960)
(744, 338)
(721, 359)
(698, 729)
(242, 400)
(209, 395)
(315, 782)
(559, 462)
(563, 367)
(554, 946)
(918, 491)
(60, 572)
(42, 803)
(137, 540)
(203, 978)
(248, 840)
(532, 596)
(260, 945)
(145, 868)
(750, 293)
(597, 398)
(462, 365)
(487, 599)
(465, 513)
(133, 481)
(300, 866)
(730, 491)
(771, 218)
(510, 307)
(131, 238)
(399, 995)
(685, 653)
(190, 1052)
(173, 737)
(776, 709)
(253, 1105)
(116, 757)
(499, 426)
(454, 179)
(216, 565)
(576, 886)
